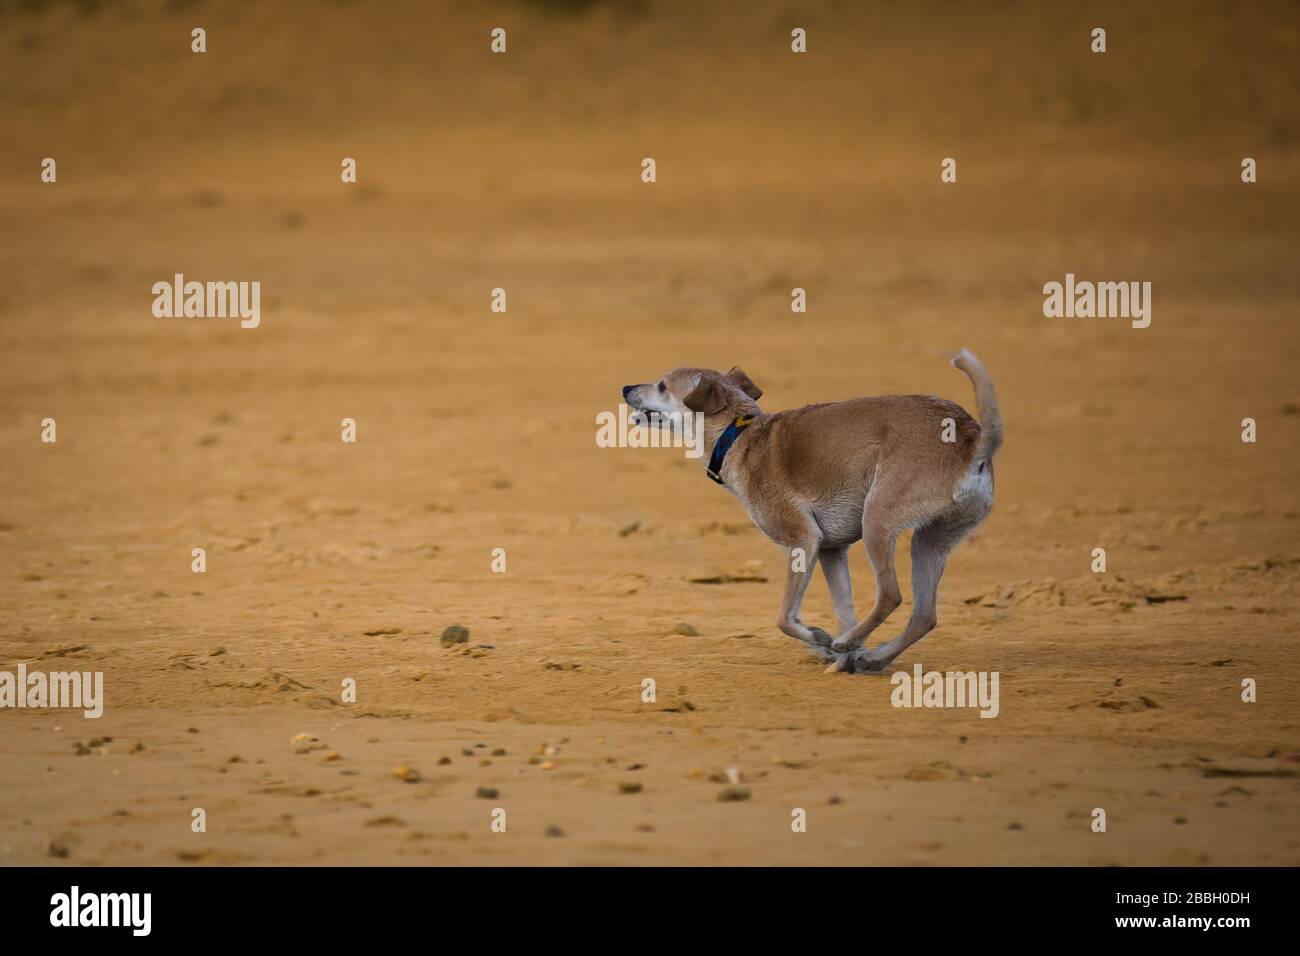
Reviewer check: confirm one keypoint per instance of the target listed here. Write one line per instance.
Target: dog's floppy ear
(745, 384)
(707, 397)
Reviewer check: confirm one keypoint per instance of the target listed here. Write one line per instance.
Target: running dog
(820, 477)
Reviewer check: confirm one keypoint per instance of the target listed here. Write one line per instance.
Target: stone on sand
(454, 635)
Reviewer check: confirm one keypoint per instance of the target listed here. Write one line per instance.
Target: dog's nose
(626, 389)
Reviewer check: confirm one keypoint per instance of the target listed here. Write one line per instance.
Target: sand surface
(330, 561)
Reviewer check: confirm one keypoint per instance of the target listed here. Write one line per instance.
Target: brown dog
(818, 478)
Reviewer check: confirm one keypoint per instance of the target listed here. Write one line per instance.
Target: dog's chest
(838, 518)
(755, 507)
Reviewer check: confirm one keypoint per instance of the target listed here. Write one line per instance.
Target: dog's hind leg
(930, 551)
(880, 538)
(931, 546)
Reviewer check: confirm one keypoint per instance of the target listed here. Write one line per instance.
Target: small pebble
(733, 794)
(487, 793)
(630, 786)
(454, 635)
(554, 831)
(406, 774)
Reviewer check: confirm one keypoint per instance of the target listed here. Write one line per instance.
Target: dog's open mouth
(644, 418)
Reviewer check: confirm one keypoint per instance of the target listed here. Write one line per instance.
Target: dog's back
(835, 451)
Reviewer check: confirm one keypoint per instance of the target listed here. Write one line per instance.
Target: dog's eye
(662, 388)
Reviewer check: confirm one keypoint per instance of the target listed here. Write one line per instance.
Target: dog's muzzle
(639, 415)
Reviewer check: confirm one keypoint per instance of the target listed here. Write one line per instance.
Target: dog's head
(686, 391)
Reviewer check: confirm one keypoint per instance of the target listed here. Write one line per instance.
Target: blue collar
(725, 441)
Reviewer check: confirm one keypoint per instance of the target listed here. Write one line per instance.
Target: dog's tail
(990, 420)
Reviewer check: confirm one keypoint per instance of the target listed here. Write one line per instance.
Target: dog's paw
(821, 637)
(842, 662)
(870, 662)
(841, 647)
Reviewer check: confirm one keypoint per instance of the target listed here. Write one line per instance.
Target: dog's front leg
(835, 565)
(803, 558)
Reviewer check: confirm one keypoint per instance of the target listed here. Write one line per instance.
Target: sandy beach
(329, 562)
